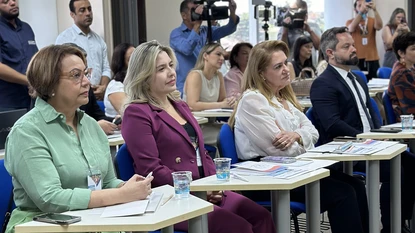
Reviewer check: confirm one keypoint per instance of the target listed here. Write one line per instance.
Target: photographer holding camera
(188, 39)
(363, 29)
(295, 25)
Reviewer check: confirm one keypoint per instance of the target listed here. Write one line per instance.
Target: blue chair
(310, 116)
(101, 105)
(387, 104)
(227, 148)
(375, 107)
(384, 72)
(124, 168)
(6, 190)
(361, 74)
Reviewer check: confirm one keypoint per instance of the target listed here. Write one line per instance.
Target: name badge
(94, 179)
(364, 41)
(31, 42)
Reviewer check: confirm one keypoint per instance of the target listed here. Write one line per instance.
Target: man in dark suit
(342, 107)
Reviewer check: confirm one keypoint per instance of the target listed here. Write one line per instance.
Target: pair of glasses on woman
(77, 75)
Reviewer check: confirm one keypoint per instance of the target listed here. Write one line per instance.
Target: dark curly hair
(117, 62)
(235, 51)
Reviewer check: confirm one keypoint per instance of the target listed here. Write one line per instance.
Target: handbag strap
(8, 213)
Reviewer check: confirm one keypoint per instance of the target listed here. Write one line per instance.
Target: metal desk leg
(373, 196)
(169, 229)
(412, 148)
(199, 224)
(395, 181)
(280, 205)
(348, 167)
(312, 192)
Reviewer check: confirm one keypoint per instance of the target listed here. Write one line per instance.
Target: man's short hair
(329, 39)
(72, 5)
(184, 6)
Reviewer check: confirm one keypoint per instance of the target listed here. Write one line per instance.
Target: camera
(297, 19)
(210, 11)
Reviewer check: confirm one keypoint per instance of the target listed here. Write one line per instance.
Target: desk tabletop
(210, 183)
(2, 154)
(400, 135)
(385, 154)
(174, 211)
(305, 102)
(210, 114)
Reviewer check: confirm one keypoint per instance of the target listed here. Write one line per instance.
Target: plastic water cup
(407, 121)
(223, 166)
(181, 180)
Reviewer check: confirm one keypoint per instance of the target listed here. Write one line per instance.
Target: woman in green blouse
(58, 156)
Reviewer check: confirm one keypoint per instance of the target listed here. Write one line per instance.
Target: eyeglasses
(77, 75)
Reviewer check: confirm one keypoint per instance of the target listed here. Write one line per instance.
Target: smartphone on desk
(62, 219)
(344, 139)
(386, 130)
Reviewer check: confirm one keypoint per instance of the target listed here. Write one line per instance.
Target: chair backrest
(6, 191)
(376, 109)
(124, 164)
(226, 143)
(361, 74)
(101, 105)
(310, 116)
(387, 104)
(384, 72)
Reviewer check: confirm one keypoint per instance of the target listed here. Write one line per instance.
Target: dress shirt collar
(50, 114)
(184, 28)
(342, 72)
(78, 30)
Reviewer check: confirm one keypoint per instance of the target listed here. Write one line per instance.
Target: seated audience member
(205, 89)
(114, 95)
(93, 109)
(302, 60)
(163, 137)
(55, 151)
(402, 83)
(238, 60)
(342, 107)
(268, 121)
(396, 25)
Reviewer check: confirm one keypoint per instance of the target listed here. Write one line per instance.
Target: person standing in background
(396, 25)
(81, 34)
(363, 29)
(17, 47)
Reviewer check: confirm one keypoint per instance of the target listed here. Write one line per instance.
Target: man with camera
(363, 29)
(191, 36)
(295, 24)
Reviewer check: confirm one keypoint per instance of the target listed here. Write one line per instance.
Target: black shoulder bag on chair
(7, 214)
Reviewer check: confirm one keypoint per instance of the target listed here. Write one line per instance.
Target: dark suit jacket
(92, 108)
(335, 109)
(158, 143)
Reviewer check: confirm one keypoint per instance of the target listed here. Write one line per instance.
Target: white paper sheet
(127, 209)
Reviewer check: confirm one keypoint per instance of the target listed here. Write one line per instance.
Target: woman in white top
(205, 88)
(114, 95)
(268, 121)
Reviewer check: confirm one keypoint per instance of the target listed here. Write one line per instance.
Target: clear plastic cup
(223, 166)
(407, 121)
(181, 180)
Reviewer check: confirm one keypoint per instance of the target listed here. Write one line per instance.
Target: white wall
(162, 17)
(41, 15)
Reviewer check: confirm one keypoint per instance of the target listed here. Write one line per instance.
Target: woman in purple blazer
(163, 136)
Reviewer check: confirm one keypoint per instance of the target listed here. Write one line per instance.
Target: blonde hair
(141, 68)
(259, 59)
(45, 68)
(208, 48)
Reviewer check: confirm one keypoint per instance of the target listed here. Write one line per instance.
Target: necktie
(351, 76)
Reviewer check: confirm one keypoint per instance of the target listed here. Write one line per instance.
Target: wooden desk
(210, 114)
(280, 194)
(174, 211)
(372, 181)
(2, 154)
